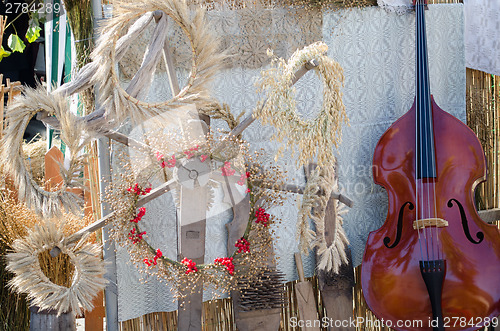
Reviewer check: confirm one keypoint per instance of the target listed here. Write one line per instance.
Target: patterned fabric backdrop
(482, 41)
(375, 48)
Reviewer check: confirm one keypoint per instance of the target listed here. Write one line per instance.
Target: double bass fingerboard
(426, 156)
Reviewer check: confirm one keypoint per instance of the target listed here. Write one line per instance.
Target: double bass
(434, 264)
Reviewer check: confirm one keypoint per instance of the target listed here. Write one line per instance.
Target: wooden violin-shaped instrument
(434, 264)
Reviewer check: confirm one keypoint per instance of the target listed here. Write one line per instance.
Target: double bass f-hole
(399, 230)
(465, 222)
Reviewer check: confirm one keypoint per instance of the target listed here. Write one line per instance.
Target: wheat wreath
(206, 60)
(29, 278)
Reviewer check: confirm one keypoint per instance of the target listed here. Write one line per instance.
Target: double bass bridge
(429, 222)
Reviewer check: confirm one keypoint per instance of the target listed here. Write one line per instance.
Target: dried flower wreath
(88, 276)
(251, 250)
(206, 60)
(316, 137)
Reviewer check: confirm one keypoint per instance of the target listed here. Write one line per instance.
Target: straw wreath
(17, 117)
(315, 137)
(29, 278)
(313, 206)
(206, 60)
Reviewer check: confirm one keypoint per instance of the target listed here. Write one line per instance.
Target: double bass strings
(424, 115)
(434, 238)
(418, 167)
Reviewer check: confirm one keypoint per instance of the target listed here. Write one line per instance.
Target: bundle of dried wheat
(34, 156)
(206, 60)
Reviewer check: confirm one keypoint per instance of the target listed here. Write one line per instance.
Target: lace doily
(396, 6)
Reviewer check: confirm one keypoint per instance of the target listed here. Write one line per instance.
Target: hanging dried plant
(315, 199)
(206, 60)
(72, 133)
(252, 249)
(316, 137)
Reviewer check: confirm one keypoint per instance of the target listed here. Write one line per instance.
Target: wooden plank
(490, 215)
(193, 204)
(53, 179)
(236, 228)
(306, 302)
(94, 318)
(169, 64)
(47, 320)
(337, 294)
(160, 190)
(53, 158)
(109, 250)
(261, 320)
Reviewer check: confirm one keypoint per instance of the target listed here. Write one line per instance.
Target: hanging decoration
(29, 278)
(76, 131)
(319, 187)
(316, 137)
(72, 133)
(250, 256)
(206, 60)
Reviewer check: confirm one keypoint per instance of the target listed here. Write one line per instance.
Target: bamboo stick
(2, 99)
(3, 23)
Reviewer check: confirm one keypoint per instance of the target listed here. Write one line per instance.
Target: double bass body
(391, 278)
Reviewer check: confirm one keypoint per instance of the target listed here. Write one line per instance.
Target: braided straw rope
(206, 60)
(88, 276)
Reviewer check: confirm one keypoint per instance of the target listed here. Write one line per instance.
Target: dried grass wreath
(206, 60)
(29, 278)
(17, 118)
(315, 137)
